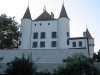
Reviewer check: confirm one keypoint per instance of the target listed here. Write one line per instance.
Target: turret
(25, 31)
(63, 29)
(90, 42)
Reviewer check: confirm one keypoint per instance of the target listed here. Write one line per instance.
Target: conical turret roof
(27, 14)
(63, 12)
(87, 34)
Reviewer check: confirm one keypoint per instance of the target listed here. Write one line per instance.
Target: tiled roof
(44, 16)
(27, 14)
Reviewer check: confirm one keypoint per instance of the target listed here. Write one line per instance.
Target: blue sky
(82, 13)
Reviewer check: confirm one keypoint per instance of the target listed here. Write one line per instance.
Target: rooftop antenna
(44, 9)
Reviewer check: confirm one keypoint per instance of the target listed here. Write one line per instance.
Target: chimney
(52, 15)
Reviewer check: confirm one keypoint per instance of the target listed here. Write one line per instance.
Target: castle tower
(25, 32)
(63, 29)
(90, 42)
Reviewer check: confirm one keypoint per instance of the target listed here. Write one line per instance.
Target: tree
(21, 66)
(96, 57)
(77, 64)
(8, 32)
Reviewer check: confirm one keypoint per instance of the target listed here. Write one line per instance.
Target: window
(54, 35)
(40, 24)
(42, 35)
(53, 44)
(42, 44)
(80, 43)
(20, 34)
(19, 43)
(74, 44)
(68, 34)
(35, 35)
(67, 42)
(48, 23)
(35, 44)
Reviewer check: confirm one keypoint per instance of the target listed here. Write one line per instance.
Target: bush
(21, 66)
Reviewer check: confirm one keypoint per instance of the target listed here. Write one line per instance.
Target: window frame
(42, 36)
(54, 34)
(80, 43)
(53, 44)
(35, 35)
(42, 44)
(74, 44)
(36, 44)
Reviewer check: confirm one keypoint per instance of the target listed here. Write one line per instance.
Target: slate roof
(27, 14)
(44, 16)
(63, 12)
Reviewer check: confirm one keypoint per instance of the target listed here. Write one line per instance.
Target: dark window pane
(80, 43)
(34, 44)
(68, 34)
(19, 43)
(54, 35)
(20, 34)
(42, 35)
(74, 44)
(42, 44)
(48, 23)
(67, 42)
(40, 24)
(53, 44)
(35, 35)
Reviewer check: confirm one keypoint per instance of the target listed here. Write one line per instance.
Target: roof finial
(28, 3)
(44, 9)
(63, 2)
(86, 26)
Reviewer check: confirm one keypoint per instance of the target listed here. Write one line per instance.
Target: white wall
(48, 29)
(91, 46)
(26, 34)
(41, 55)
(84, 43)
(63, 28)
(45, 59)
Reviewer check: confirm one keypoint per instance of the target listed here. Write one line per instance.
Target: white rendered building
(48, 39)
(48, 33)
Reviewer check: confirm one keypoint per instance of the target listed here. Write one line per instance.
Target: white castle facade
(48, 33)
(48, 39)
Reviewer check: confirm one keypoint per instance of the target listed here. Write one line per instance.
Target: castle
(48, 39)
(48, 33)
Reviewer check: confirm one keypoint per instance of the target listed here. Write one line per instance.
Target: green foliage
(77, 64)
(21, 66)
(8, 32)
(96, 57)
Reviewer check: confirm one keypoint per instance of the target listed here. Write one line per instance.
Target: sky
(82, 13)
